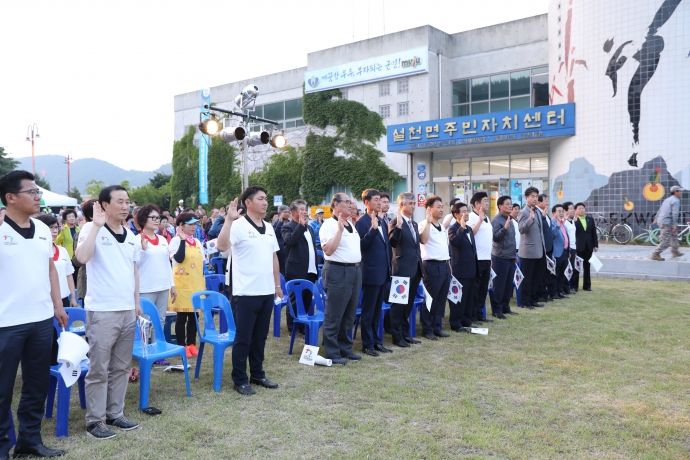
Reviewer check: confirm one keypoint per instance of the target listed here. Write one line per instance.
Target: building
(565, 102)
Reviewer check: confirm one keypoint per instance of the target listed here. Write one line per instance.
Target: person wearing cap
(180, 208)
(316, 226)
(668, 218)
(188, 275)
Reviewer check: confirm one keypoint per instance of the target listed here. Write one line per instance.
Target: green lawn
(603, 374)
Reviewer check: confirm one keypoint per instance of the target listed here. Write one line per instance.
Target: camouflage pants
(667, 238)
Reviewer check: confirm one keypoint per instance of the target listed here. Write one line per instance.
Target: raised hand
(232, 213)
(303, 218)
(99, 217)
(461, 220)
(543, 212)
(481, 214)
(2, 216)
(374, 220)
(531, 212)
(399, 220)
(179, 232)
(341, 225)
(507, 225)
(221, 211)
(144, 242)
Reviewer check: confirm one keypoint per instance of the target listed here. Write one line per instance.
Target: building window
(402, 86)
(385, 111)
(344, 94)
(384, 89)
(288, 114)
(501, 92)
(403, 108)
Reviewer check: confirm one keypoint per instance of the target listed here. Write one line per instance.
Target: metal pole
(33, 159)
(69, 189)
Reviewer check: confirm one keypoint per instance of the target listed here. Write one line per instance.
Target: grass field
(603, 374)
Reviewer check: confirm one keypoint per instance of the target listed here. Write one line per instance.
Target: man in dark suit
(407, 262)
(463, 260)
(300, 254)
(532, 261)
(284, 218)
(547, 286)
(376, 269)
(586, 240)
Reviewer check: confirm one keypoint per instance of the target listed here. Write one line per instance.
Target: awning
(52, 199)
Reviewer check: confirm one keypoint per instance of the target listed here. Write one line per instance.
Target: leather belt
(342, 264)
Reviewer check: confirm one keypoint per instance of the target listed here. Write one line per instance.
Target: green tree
(282, 174)
(7, 164)
(223, 177)
(160, 179)
(94, 187)
(74, 193)
(126, 186)
(185, 163)
(149, 194)
(42, 182)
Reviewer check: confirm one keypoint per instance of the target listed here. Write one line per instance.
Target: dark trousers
(342, 285)
(561, 265)
(462, 313)
(400, 313)
(436, 282)
(253, 315)
(29, 344)
(481, 287)
(547, 285)
(185, 322)
(306, 298)
(503, 284)
(575, 278)
(372, 298)
(586, 279)
(531, 270)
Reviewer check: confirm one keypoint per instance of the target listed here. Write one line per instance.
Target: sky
(99, 78)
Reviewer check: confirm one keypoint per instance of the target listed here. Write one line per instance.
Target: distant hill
(84, 170)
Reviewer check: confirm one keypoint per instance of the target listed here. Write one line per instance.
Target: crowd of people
(113, 253)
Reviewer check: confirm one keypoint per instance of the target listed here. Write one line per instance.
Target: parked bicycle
(621, 233)
(683, 231)
(646, 235)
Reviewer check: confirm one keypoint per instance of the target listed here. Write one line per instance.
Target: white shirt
(517, 232)
(252, 258)
(312, 253)
(110, 271)
(484, 238)
(24, 275)
(64, 268)
(448, 220)
(155, 271)
(436, 247)
(570, 227)
(348, 250)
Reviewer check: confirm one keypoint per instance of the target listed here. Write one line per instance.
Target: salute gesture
(341, 225)
(399, 221)
(144, 242)
(531, 212)
(507, 225)
(303, 218)
(374, 220)
(232, 213)
(99, 217)
(461, 219)
(543, 212)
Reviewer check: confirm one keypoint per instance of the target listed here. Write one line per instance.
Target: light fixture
(278, 141)
(247, 96)
(231, 132)
(258, 138)
(210, 126)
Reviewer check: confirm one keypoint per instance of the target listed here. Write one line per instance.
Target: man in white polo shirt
(255, 285)
(342, 279)
(30, 298)
(110, 253)
(483, 236)
(435, 267)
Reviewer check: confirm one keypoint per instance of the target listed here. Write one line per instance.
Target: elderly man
(668, 218)
(342, 279)
(503, 258)
(587, 242)
(532, 252)
(480, 224)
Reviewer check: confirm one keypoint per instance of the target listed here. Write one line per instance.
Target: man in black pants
(407, 262)
(254, 286)
(31, 297)
(483, 236)
(503, 258)
(300, 256)
(532, 261)
(587, 243)
(546, 292)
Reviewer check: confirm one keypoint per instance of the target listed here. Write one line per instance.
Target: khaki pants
(111, 339)
(667, 238)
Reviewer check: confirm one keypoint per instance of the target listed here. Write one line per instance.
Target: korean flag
(455, 290)
(551, 265)
(400, 289)
(569, 271)
(518, 277)
(578, 264)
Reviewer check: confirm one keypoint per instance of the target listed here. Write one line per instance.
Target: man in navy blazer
(463, 264)
(300, 254)
(407, 262)
(376, 269)
(561, 249)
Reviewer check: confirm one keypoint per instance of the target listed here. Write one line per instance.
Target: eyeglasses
(54, 227)
(32, 192)
(155, 218)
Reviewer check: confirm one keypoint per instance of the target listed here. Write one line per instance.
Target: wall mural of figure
(615, 63)
(568, 63)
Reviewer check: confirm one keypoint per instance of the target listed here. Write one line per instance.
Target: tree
(149, 194)
(282, 174)
(125, 184)
(41, 182)
(7, 164)
(94, 187)
(74, 193)
(223, 179)
(185, 163)
(160, 179)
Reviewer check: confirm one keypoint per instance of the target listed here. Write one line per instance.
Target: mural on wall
(635, 196)
(576, 184)
(568, 63)
(648, 56)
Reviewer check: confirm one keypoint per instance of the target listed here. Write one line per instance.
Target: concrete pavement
(633, 262)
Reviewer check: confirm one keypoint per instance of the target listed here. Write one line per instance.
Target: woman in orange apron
(188, 272)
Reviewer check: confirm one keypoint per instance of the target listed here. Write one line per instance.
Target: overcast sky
(99, 77)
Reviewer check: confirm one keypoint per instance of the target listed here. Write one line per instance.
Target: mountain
(84, 170)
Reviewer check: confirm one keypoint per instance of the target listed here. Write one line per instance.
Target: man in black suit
(463, 260)
(407, 262)
(376, 269)
(547, 284)
(300, 254)
(284, 218)
(587, 242)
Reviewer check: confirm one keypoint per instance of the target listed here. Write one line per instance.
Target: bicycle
(646, 235)
(621, 233)
(655, 235)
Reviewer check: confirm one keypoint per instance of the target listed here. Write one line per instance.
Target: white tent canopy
(52, 199)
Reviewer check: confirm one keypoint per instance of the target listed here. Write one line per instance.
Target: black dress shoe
(498, 315)
(38, 450)
(370, 352)
(402, 344)
(460, 329)
(412, 341)
(264, 383)
(511, 312)
(430, 337)
(538, 305)
(245, 389)
(528, 306)
(562, 296)
(485, 320)
(353, 357)
(441, 334)
(588, 289)
(342, 361)
(382, 349)
(576, 290)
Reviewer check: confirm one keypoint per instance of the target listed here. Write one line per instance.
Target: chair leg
(82, 391)
(314, 334)
(218, 358)
(354, 335)
(144, 383)
(292, 337)
(12, 435)
(186, 373)
(198, 359)
(223, 323)
(50, 400)
(276, 321)
(62, 422)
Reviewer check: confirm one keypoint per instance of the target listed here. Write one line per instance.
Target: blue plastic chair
(216, 283)
(156, 351)
(417, 307)
(75, 295)
(217, 264)
(76, 315)
(206, 302)
(12, 435)
(313, 322)
(322, 291)
(358, 315)
(278, 307)
(167, 330)
(385, 308)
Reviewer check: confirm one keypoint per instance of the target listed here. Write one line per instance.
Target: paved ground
(633, 262)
